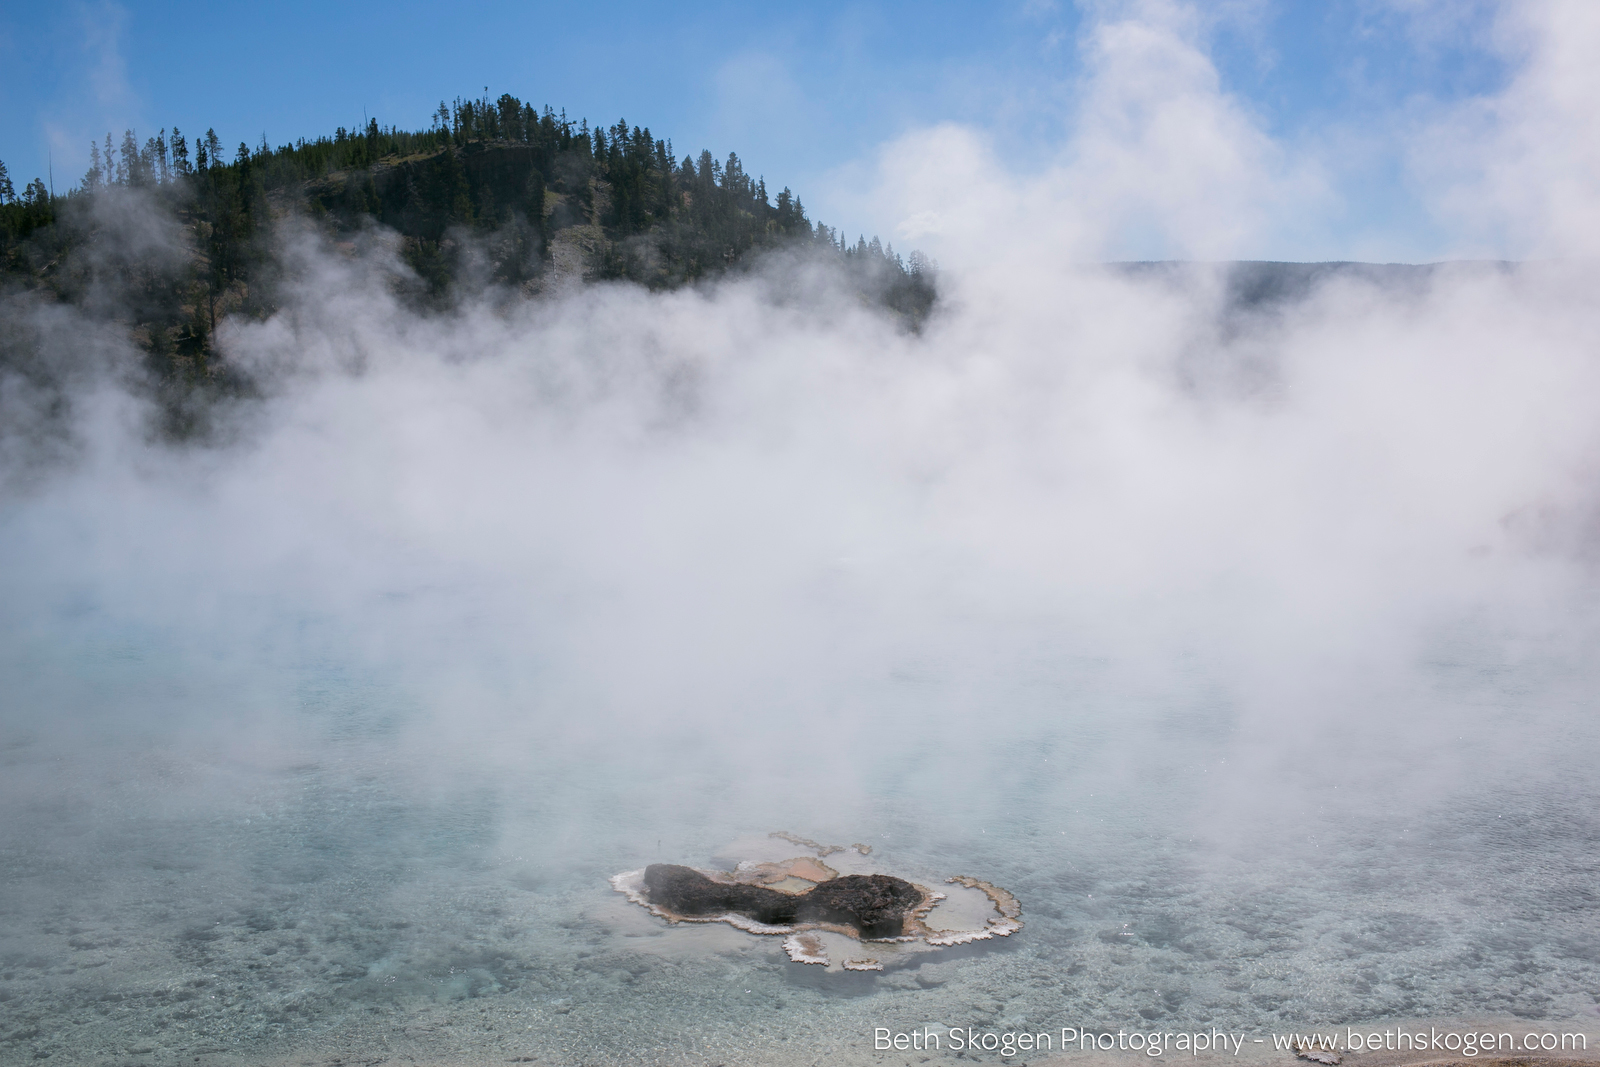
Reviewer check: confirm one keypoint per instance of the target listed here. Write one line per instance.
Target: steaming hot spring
(828, 905)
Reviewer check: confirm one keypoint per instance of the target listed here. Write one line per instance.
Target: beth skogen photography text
(1158, 1042)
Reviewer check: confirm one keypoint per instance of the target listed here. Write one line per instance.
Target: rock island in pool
(820, 910)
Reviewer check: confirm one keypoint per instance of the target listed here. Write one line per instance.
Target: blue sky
(804, 93)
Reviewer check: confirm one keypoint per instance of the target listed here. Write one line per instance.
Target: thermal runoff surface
(506, 586)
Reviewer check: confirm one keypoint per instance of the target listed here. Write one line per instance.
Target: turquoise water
(340, 876)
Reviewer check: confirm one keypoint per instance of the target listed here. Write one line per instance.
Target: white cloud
(1517, 173)
(1158, 161)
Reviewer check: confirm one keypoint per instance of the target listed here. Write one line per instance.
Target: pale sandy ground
(480, 1046)
(133, 973)
(478, 1035)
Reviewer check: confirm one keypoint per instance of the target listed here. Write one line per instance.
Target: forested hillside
(494, 194)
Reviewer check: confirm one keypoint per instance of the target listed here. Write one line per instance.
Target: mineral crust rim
(1007, 922)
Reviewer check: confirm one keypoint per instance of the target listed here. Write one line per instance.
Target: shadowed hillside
(166, 239)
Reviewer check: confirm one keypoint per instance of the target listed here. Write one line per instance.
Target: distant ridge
(495, 196)
(1253, 284)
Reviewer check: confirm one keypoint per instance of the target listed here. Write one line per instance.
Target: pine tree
(180, 154)
(127, 160)
(96, 174)
(8, 192)
(130, 168)
(153, 159)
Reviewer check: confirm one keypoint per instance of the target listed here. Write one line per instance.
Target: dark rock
(688, 892)
(874, 904)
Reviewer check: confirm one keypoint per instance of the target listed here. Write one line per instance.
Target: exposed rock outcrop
(874, 905)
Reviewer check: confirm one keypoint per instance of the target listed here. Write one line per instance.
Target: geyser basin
(272, 783)
(802, 899)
